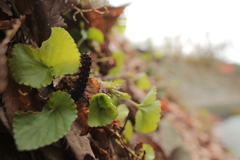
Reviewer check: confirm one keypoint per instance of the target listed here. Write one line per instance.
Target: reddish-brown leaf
(92, 88)
(106, 21)
(164, 104)
(111, 17)
(116, 124)
(82, 117)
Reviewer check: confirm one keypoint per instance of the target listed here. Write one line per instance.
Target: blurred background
(197, 47)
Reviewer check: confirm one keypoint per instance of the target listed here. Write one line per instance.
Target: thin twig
(129, 150)
(119, 138)
(128, 116)
(81, 11)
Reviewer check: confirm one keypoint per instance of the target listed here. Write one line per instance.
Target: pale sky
(192, 19)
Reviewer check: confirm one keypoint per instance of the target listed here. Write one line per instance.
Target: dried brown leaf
(5, 8)
(82, 118)
(15, 24)
(95, 20)
(106, 21)
(111, 16)
(9, 23)
(93, 87)
(47, 15)
(101, 141)
(80, 145)
(10, 98)
(4, 119)
(24, 7)
(30, 99)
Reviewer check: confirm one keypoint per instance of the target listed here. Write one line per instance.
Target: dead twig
(122, 144)
(81, 11)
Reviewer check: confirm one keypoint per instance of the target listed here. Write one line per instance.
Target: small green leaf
(150, 154)
(142, 81)
(128, 131)
(111, 85)
(146, 56)
(101, 110)
(118, 81)
(121, 95)
(147, 117)
(84, 34)
(150, 97)
(122, 112)
(158, 55)
(95, 34)
(125, 96)
(33, 130)
(148, 114)
(121, 23)
(36, 67)
(114, 100)
(119, 57)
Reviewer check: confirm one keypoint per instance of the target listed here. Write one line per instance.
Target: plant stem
(80, 42)
(133, 103)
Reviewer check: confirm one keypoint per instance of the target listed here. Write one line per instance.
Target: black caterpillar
(83, 76)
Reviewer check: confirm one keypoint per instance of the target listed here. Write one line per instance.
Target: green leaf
(150, 154)
(125, 96)
(150, 97)
(119, 57)
(33, 130)
(95, 34)
(128, 131)
(114, 100)
(101, 110)
(120, 25)
(146, 56)
(148, 114)
(75, 34)
(122, 112)
(147, 117)
(142, 81)
(84, 34)
(37, 67)
(118, 81)
(121, 95)
(158, 55)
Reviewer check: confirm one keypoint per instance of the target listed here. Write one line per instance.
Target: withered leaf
(106, 21)
(111, 16)
(10, 98)
(16, 23)
(82, 118)
(80, 145)
(9, 23)
(92, 88)
(5, 8)
(47, 15)
(24, 7)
